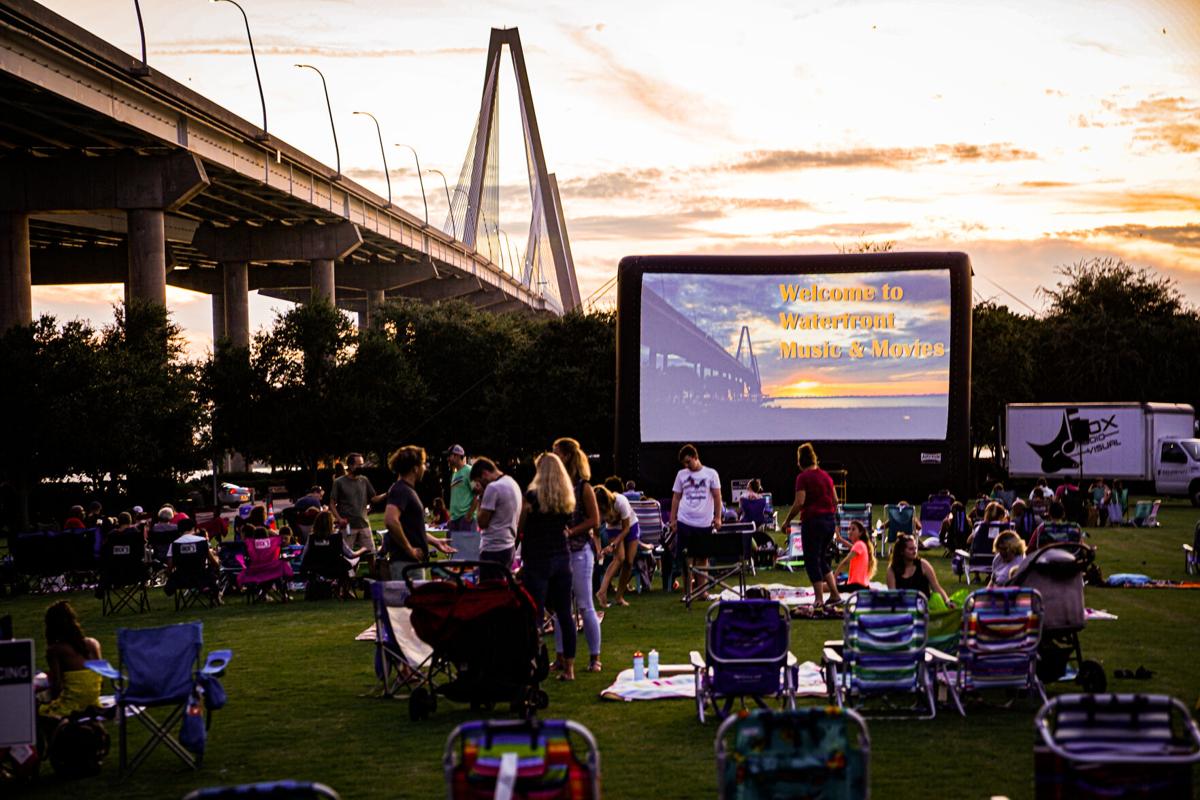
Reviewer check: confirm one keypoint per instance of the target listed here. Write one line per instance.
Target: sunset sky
(1028, 134)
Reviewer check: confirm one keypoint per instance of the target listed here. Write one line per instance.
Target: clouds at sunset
(1026, 134)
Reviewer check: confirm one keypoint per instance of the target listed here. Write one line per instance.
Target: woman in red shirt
(816, 503)
(861, 560)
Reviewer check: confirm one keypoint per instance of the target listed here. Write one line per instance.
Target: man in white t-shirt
(695, 505)
(499, 510)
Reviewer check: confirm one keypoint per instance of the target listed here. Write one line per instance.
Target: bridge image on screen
(839, 357)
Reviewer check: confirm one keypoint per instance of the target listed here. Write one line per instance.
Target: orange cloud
(885, 158)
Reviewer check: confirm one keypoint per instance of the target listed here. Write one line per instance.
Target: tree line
(123, 407)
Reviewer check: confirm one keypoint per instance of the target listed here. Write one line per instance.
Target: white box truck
(1151, 442)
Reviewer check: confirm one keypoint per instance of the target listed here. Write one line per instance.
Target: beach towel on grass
(788, 595)
(677, 681)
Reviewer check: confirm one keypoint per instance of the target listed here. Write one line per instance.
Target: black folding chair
(193, 579)
(124, 574)
(719, 558)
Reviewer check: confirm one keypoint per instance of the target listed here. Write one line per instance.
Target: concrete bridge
(111, 172)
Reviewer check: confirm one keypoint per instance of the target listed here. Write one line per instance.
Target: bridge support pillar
(218, 312)
(147, 256)
(370, 317)
(237, 302)
(322, 280)
(16, 283)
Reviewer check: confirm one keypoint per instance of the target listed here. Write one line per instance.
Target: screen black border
(897, 465)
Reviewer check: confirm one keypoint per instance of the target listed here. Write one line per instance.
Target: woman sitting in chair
(73, 687)
(861, 560)
(314, 560)
(265, 567)
(907, 570)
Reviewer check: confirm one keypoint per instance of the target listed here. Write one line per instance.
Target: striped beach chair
(882, 654)
(1091, 746)
(522, 759)
(1001, 631)
(819, 752)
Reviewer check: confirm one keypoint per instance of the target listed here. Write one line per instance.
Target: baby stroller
(483, 628)
(1056, 571)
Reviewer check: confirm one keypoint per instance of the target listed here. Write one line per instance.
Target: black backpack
(78, 746)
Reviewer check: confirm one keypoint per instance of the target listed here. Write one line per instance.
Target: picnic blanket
(678, 681)
(788, 595)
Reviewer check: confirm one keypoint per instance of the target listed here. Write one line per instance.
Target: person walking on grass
(464, 534)
(696, 506)
(816, 505)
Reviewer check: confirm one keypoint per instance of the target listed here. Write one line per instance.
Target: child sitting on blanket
(861, 559)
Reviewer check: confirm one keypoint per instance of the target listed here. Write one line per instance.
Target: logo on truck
(1077, 436)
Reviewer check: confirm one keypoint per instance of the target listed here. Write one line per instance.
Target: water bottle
(639, 667)
(653, 667)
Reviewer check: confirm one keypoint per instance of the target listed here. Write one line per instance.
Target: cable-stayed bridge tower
(547, 267)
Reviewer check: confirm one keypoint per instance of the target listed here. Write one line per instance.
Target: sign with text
(18, 710)
(775, 357)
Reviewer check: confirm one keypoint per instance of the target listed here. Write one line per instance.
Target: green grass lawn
(301, 704)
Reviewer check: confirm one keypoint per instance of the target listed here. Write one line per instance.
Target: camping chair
(77, 551)
(851, 512)
(1055, 532)
(124, 576)
(192, 579)
(653, 552)
(551, 759)
(400, 655)
(1145, 514)
(33, 560)
(792, 558)
(718, 558)
(161, 668)
(1001, 631)
(1092, 746)
(1191, 561)
(1006, 498)
(818, 751)
(899, 520)
(745, 655)
(754, 510)
(882, 652)
(326, 565)
(935, 509)
(160, 537)
(266, 572)
(979, 559)
(268, 790)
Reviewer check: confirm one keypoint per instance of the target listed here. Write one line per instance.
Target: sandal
(595, 666)
(564, 677)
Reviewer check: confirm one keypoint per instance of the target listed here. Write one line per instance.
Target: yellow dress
(80, 691)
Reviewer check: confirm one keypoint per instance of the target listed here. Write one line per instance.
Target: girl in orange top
(861, 559)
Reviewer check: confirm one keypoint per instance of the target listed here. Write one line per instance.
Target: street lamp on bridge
(336, 152)
(421, 178)
(382, 152)
(262, 98)
(449, 203)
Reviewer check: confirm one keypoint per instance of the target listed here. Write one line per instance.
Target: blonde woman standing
(546, 571)
(583, 544)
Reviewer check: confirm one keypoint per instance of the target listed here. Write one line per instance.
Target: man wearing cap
(352, 495)
(464, 536)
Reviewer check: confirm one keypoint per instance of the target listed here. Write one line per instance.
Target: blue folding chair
(745, 655)
(160, 668)
(272, 790)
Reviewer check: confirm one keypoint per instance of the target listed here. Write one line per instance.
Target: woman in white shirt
(617, 514)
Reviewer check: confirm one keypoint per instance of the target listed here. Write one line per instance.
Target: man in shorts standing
(464, 536)
(695, 505)
(352, 495)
